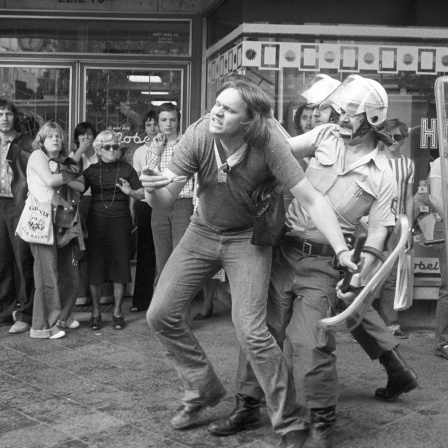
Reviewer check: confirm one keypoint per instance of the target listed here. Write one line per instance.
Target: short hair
(393, 123)
(81, 129)
(151, 115)
(105, 136)
(48, 128)
(168, 107)
(9, 105)
(259, 108)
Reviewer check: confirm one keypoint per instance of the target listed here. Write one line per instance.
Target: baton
(360, 239)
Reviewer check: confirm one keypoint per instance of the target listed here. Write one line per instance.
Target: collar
(11, 138)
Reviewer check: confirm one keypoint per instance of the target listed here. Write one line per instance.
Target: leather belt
(308, 247)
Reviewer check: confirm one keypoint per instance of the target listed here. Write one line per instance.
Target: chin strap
(364, 127)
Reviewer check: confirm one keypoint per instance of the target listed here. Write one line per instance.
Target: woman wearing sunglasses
(404, 170)
(112, 182)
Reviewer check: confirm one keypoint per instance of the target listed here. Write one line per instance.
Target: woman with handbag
(55, 276)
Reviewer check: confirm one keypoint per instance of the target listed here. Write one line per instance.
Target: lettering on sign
(426, 266)
(428, 133)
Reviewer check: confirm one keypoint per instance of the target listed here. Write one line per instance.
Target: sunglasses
(109, 147)
(397, 137)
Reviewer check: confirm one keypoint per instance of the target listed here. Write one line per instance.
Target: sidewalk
(114, 389)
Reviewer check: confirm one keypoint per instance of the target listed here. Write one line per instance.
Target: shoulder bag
(36, 223)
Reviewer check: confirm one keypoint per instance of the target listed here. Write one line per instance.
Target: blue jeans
(198, 256)
(301, 292)
(168, 227)
(442, 304)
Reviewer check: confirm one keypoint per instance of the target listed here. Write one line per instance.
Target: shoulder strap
(227, 170)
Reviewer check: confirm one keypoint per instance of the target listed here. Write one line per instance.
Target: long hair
(9, 105)
(297, 117)
(259, 108)
(48, 128)
(81, 129)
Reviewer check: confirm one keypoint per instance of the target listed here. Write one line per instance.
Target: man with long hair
(16, 258)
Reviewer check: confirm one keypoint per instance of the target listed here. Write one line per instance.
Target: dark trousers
(146, 257)
(16, 266)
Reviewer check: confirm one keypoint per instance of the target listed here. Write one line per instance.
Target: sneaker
(400, 334)
(58, 335)
(73, 325)
(19, 327)
(442, 351)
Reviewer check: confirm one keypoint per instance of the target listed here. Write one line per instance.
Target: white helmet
(357, 95)
(318, 89)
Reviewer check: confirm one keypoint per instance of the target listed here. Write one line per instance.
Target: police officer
(346, 164)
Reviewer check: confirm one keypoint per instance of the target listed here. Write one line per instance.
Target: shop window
(40, 93)
(150, 37)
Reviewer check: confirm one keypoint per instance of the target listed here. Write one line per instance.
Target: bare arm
(160, 191)
(435, 196)
(324, 218)
(41, 167)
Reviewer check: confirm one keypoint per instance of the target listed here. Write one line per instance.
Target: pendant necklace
(115, 186)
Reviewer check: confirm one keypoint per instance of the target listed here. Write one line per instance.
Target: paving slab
(113, 388)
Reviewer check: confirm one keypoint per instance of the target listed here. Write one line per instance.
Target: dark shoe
(442, 351)
(293, 439)
(246, 415)
(321, 430)
(95, 322)
(187, 416)
(207, 315)
(118, 322)
(400, 334)
(400, 377)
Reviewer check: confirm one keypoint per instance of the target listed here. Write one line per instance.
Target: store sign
(426, 266)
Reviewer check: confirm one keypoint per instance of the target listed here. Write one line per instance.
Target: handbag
(36, 223)
(268, 211)
(266, 205)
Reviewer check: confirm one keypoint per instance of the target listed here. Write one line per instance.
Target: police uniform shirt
(367, 187)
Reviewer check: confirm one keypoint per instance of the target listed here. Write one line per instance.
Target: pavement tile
(15, 398)
(31, 346)
(126, 436)
(72, 444)
(10, 382)
(12, 420)
(39, 436)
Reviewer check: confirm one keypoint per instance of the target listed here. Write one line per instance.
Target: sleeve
(436, 170)
(184, 161)
(281, 161)
(86, 175)
(381, 213)
(133, 179)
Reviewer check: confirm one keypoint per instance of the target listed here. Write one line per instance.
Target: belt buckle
(307, 248)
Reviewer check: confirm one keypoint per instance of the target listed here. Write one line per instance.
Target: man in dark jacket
(16, 262)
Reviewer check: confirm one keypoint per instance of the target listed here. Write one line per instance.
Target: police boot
(246, 415)
(400, 377)
(321, 429)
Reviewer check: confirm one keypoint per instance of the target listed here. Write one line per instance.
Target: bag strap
(227, 170)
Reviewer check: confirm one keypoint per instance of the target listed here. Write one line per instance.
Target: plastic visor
(354, 96)
(318, 89)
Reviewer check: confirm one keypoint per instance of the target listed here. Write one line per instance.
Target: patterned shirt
(162, 161)
(404, 172)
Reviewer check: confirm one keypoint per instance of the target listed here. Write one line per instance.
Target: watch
(31, 43)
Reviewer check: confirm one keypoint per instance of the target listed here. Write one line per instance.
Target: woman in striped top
(404, 170)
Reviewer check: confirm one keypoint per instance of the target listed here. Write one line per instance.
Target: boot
(321, 429)
(400, 377)
(246, 415)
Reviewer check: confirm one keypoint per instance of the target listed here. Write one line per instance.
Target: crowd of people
(344, 167)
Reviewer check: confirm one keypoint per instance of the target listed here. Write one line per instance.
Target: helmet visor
(354, 96)
(317, 90)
